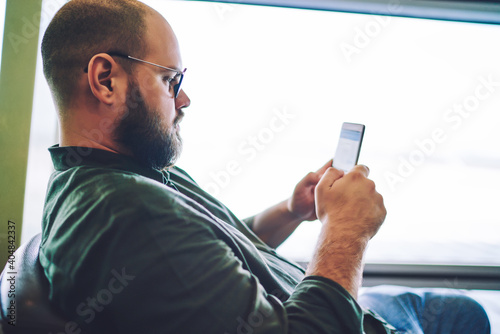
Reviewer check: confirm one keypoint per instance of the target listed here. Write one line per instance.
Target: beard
(141, 132)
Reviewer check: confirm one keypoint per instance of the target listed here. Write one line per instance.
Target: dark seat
(33, 313)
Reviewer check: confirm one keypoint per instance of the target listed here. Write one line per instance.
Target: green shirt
(135, 250)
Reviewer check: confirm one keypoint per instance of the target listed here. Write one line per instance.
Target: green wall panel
(17, 78)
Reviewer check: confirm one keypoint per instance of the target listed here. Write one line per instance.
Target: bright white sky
(271, 87)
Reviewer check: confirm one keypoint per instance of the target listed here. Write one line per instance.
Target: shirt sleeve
(249, 222)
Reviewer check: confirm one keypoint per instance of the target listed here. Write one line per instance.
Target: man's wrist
(289, 214)
(341, 243)
(343, 230)
(339, 256)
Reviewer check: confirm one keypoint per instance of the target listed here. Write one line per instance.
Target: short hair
(83, 28)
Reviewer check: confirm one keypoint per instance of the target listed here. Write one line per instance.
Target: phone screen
(349, 146)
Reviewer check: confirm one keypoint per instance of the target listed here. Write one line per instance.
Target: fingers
(330, 176)
(323, 169)
(313, 178)
(335, 174)
(361, 169)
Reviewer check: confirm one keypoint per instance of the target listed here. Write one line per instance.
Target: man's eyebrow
(169, 69)
(175, 69)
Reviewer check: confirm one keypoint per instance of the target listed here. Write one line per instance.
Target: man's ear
(103, 77)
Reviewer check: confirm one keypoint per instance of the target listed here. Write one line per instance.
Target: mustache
(180, 116)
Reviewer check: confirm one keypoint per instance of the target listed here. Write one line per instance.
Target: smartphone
(349, 146)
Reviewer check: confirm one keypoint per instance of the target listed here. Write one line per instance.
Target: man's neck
(88, 138)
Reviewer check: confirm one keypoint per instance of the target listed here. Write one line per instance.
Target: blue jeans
(426, 311)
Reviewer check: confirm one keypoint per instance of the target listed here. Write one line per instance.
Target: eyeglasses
(174, 82)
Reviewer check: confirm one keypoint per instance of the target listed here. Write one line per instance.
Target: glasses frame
(176, 87)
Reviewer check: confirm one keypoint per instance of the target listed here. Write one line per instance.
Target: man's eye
(168, 79)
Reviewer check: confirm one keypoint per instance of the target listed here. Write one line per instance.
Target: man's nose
(182, 100)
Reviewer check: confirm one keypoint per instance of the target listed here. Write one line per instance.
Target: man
(132, 245)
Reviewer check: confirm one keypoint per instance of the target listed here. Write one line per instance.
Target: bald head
(83, 28)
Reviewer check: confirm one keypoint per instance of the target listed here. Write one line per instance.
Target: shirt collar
(67, 157)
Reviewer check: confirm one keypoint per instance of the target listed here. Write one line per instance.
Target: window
(270, 88)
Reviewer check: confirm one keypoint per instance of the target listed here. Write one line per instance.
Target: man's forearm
(275, 224)
(339, 257)
(351, 211)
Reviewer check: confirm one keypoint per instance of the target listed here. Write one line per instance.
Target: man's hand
(276, 224)
(302, 203)
(351, 211)
(350, 202)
